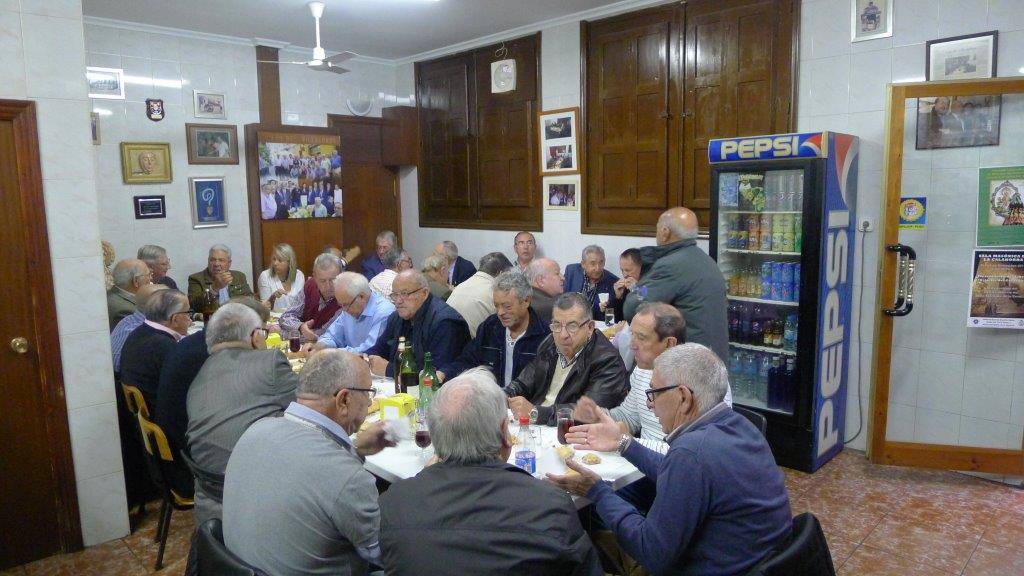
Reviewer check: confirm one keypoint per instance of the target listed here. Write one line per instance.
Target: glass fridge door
(759, 242)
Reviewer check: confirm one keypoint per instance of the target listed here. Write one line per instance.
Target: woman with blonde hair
(281, 284)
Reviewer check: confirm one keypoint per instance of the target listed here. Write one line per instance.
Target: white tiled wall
(949, 384)
(42, 58)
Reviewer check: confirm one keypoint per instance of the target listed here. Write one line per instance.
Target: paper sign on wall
(997, 290)
(913, 213)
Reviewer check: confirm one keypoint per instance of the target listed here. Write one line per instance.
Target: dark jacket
(463, 270)
(683, 275)
(167, 281)
(179, 370)
(576, 279)
(598, 372)
(200, 281)
(142, 358)
(436, 327)
(488, 348)
(372, 266)
(542, 303)
(490, 519)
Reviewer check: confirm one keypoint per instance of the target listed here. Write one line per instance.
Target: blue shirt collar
(705, 417)
(371, 305)
(299, 411)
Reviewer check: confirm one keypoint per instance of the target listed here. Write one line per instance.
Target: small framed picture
(147, 207)
(94, 123)
(207, 197)
(962, 57)
(145, 162)
(559, 134)
(562, 192)
(105, 82)
(209, 104)
(870, 19)
(958, 121)
(212, 143)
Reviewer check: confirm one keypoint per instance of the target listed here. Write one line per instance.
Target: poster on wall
(913, 213)
(1001, 206)
(997, 290)
(299, 179)
(207, 196)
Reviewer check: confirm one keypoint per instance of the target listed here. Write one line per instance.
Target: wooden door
(38, 505)
(738, 82)
(631, 115)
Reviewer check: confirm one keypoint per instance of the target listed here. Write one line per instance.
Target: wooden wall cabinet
(400, 136)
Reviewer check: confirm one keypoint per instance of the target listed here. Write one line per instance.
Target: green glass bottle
(408, 379)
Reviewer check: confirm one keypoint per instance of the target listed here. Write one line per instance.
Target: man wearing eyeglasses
(297, 499)
(721, 505)
(363, 316)
(426, 322)
(575, 360)
(166, 321)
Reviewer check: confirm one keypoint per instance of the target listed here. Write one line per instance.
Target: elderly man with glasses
(166, 321)
(241, 382)
(363, 316)
(297, 499)
(574, 360)
(426, 322)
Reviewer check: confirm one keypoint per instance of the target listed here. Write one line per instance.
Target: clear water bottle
(790, 334)
(764, 367)
(750, 370)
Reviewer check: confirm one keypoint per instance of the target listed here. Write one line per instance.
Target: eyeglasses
(571, 327)
(397, 296)
(190, 312)
(652, 392)
(345, 307)
(526, 243)
(370, 392)
(261, 331)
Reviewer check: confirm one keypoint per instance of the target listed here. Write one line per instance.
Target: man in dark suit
(545, 276)
(459, 269)
(143, 354)
(591, 278)
(159, 264)
(129, 275)
(372, 264)
(219, 277)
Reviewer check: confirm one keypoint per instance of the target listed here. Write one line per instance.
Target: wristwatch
(624, 441)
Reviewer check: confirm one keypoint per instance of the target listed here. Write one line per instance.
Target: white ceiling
(387, 29)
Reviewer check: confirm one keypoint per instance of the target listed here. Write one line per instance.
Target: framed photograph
(559, 134)
(962, 57)
(207, 197)
(209, 104)
(147, 207)
(870, 19)
(94, 123)
(105, 82)
(145, 162)
(562, 192)
(299, 178)
(958, 121)
(212, 143)
(1000, 206)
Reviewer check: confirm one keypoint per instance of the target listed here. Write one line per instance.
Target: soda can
(777, 269)
(796, 282)
(787, 273)
(776, 290)
(753, 240)
(730, 239)
(765, 222)
(785, 292)
(766, 279)
(741, 239)
(766, 239)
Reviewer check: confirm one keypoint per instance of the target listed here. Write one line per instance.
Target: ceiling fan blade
(278, 62)
(341, 57)
(337, 69)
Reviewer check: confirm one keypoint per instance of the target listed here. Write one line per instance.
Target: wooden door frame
(30, 197)
(881, 450)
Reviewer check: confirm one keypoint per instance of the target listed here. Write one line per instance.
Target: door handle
(906, 264)
(19, 345)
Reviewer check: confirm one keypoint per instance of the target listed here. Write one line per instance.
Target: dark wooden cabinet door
(738, 81)
(631, 114)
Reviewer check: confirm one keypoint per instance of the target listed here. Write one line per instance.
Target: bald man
(129, 275)
(678, 272)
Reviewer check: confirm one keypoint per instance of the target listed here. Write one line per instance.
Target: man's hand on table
(602, 436)
(378, 365)
(520, 407)
(578, 484)
(372, 440)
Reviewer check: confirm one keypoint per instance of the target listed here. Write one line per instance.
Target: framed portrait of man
(870, 19)
(146, 162)
(212, 143)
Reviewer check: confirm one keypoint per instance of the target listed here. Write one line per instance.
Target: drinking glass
(422, 437)
(294, 344)
(564, 423)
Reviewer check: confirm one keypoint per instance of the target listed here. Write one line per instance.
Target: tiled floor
(879, 521)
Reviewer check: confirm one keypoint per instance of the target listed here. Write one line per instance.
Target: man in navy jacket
(721, 505)
(590, 278)
(459, 269)
(372, 264)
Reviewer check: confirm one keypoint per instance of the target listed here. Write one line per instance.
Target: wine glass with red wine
(422, 437)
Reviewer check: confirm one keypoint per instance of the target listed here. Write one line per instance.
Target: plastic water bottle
(775, 391)
(789, 335)
(788, 385)
(526, 453)
(750, 369)
(736, 369)
(764, 367)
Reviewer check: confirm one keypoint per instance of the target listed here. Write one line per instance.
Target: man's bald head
(676, 224)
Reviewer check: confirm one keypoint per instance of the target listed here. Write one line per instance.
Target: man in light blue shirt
(362, 319)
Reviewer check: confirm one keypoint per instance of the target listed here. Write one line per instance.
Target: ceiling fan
(320, 62)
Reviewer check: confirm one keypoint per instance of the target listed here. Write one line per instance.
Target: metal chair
(806, 553)
(756, 418)
(160, 459)
(214, 557)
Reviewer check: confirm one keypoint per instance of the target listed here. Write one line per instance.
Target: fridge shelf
(762, 301)
(755, 403)
(763, 349)
(762, 212)
(762, 252)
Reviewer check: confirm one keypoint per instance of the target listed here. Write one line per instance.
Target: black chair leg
(160, 520)
(165, 524)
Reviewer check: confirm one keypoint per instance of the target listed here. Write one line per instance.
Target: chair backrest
(806, 553)
(214, 557)
(154, 439)
(756, 418)
(134, 399)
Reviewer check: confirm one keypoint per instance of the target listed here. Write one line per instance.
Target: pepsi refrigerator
(783, 233)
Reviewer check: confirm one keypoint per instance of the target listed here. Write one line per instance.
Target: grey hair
(150, 253)
(328, 371)
(678, 230)
(419, 277)
(465, 418)
(494, 263)
(450, 250)
(354, 283)
(162, 304)
(513, 282)
(696, 367)
(327, 261)
(232, 322)
(434, 262)
(389, 236)
(593, 249)
(570, 300)
(127, 270)
(668, 320)
(391, 257)
(537, 269)
(221, 248)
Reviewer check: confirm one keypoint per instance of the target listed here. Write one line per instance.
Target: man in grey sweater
(678, 272)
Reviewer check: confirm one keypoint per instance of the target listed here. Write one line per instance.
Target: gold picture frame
(146, 162)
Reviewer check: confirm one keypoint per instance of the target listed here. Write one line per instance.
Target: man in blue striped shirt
(129, 323)
(362, 319)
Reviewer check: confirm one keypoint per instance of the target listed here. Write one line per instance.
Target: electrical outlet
(866, 225)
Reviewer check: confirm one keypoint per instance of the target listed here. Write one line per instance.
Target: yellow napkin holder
(273, 340)
(397, 406)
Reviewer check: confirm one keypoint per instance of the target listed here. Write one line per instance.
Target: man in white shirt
(473, 299)
(525, 246)
(381, 283)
